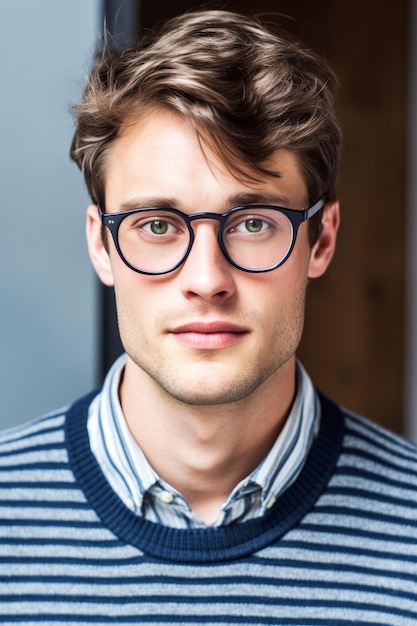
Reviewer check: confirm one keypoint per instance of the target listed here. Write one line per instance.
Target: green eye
(254, 225)
(158, 227)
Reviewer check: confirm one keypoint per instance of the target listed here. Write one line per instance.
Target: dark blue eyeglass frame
(295, 216)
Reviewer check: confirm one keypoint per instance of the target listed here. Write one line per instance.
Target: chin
(205, 391)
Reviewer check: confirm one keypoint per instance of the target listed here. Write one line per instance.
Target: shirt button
(271, 502)
(166, 497)
(130, 504)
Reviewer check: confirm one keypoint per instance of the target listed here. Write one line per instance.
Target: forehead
(160, 154)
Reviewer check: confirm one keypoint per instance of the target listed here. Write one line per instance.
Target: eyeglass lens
(157, 240)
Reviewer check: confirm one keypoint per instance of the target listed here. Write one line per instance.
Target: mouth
(209, 335)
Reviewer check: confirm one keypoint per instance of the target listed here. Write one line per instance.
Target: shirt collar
(283, 463)
(125, 465)
(132, 478)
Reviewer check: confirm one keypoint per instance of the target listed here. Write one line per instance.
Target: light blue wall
(47, 287)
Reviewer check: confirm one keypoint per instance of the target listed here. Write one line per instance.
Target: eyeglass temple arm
(314, 209)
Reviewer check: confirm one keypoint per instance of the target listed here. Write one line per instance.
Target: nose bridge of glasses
(218, 217)
(207, 216)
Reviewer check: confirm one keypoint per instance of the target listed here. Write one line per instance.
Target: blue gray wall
(47, 287)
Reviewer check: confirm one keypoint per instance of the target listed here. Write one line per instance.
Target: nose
(206, 272)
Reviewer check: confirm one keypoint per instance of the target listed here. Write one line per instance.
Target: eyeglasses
(255, 238)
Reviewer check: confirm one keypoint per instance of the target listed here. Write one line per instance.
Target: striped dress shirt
(144, 492)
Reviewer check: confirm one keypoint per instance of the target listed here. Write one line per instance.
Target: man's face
(207, 333)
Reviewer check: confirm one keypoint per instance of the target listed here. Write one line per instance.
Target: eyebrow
(239, 199)
(147, 202)
(259, 197)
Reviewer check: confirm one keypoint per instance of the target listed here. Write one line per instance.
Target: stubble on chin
(211, 381)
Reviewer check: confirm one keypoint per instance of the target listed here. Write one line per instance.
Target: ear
(323, 250)
(96, 248)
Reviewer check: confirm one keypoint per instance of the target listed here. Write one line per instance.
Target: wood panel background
(353, 343)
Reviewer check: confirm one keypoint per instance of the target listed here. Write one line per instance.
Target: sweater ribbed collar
(207, 544)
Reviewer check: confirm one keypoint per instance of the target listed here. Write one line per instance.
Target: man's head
(204, 148)
(245, 87)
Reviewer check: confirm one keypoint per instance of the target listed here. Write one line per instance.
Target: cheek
(132, 299)
(287, 304)
(140, 300)
(282, 304)
(134, 318)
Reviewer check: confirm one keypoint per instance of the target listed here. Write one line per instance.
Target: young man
(208, 482)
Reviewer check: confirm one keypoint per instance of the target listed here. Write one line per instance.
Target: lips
(209, 327)
(209, 335)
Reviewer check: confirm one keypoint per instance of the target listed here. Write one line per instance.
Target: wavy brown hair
(245, 86)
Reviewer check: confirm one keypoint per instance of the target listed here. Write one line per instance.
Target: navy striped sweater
(339, 547)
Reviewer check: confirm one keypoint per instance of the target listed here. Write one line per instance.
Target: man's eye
(252, 225)
(159, 227)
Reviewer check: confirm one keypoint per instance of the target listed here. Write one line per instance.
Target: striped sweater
(339, 547)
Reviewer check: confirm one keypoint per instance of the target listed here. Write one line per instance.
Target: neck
(205, 451)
